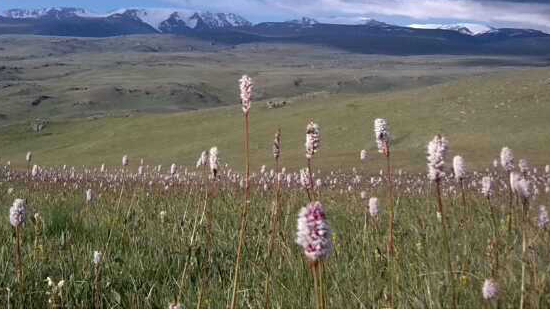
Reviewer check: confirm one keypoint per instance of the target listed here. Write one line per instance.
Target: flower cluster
(363, 155)
(213, 160)
(246, 87)
(437, 151)
(507, 159)
(98, 257)
(373, 206)
(490, 289)
(313, 139)
(459, 167)
(382, 134)
(203, 159)
(543, 219)
(314, 233)
(487, 186)
(18, 212)
(277, 145)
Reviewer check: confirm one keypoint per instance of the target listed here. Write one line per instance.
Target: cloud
(519, 12)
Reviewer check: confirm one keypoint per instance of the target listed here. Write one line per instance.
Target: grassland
(478, 114)
(479, 104)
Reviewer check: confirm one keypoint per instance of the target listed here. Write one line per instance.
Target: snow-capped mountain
(164, 20)
(57, 12)
(464, 28)
(304, 21)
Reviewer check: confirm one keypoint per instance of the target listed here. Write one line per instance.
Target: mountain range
(371, 36)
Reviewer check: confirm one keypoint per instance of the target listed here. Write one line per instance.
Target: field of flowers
(207, 236)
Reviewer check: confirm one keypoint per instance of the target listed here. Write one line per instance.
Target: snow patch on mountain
(464, 28)
(159, 18)
(52, 11)
(154, 17)
(304, 21)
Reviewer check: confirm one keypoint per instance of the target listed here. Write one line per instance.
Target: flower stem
(242, 230)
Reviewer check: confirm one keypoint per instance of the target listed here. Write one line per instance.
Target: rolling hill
(479, 115)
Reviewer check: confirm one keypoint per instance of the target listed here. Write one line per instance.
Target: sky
(498, 13)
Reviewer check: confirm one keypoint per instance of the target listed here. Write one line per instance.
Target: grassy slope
(479, 115)
(113, 77)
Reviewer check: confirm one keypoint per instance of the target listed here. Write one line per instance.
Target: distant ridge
(371, 36)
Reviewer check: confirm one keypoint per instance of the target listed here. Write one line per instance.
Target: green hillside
(479, 115)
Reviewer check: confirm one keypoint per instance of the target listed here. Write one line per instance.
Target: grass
(490, 111)
(145, 256)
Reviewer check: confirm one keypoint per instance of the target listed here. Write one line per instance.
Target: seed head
(125, 160)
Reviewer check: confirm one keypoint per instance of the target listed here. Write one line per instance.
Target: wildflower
(314, 233)
(277, 145)
(174, 306)
(102, 168)
(173, 169)
(363, 195)
(487, 186)
(318, 183)
(29, 157)
(373, 206)
(459, 168)
(495, 163)
(89, 195)
(547, 169)
(382, 134)
(98, 257)
(543, 219)
(523, 165)
(304, 178)
(246, 87)
(35, 170)
(363, 155)
(18, 212)
(524, 188)
(203, 159)
(213, 160)
(490, 289)
(507, 159)
(140, 170)
(10, 191)
(313, 139)
(162, 216)
(515, 177)
(437, 151)
(124, 160)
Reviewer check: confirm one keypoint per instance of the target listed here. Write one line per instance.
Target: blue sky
(499, 13)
